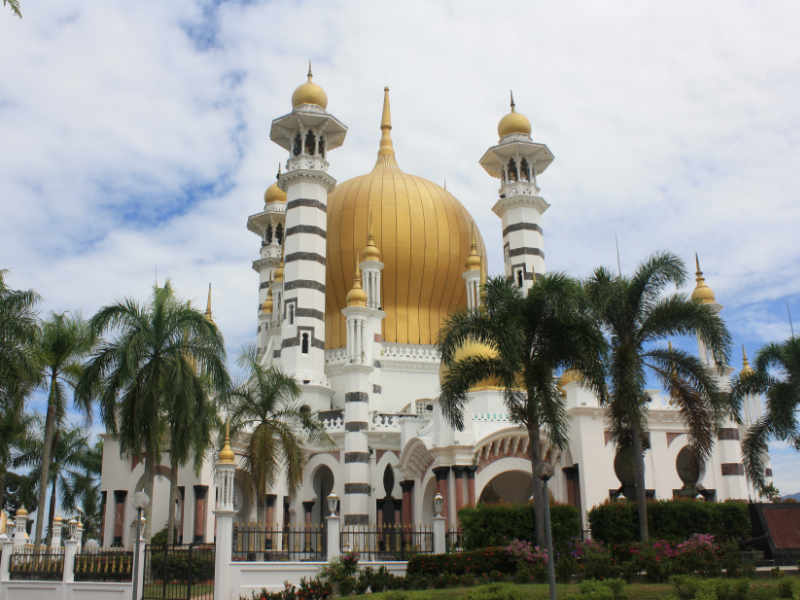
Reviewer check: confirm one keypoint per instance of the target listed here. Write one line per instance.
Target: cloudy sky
(134, 137)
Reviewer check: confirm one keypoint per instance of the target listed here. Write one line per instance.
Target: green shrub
(674, 520)
(476, 562)
(785, 588)
(592, 589)
(496, 525)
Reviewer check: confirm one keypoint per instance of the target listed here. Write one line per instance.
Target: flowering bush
(476, 562)
(311, 589)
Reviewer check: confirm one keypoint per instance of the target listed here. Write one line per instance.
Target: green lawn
(178, 590)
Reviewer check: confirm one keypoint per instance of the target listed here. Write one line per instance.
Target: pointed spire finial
(278, 176)
(697, 264)
(386, 149)
(746, 368)
(310, 75)
(512, 100)
(226, 455)
(208, 305)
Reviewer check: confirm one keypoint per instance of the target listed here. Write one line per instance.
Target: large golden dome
(424, 235)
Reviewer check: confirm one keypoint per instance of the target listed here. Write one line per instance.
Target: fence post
(332, 537)
(439, 535)
(70, 550)
(5, 559)
(140, 564)
(225, 472)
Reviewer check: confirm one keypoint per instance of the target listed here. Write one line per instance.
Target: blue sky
(135, 137)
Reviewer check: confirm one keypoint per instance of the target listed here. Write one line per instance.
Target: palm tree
(265, 404)
(81, 490)
(61, 347)
(638, 315)
(19, 328)
(16, 428)
(526, 340)
(14, 6)
(68, 460)
(782, 390)
(163, 354)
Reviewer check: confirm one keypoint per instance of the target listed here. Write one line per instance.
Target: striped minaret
(517, 161)
(308, 133)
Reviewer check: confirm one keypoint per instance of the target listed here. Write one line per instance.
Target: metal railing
(179, 572)
(454, 541)
(390, 542)
(260, 542)
(41, 565)
(115, 565)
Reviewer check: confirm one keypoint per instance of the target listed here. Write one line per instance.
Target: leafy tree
(64, 342)
(777, 376)
(638, 315)
(14, 6)
(266, 405)
(529, 339)
(81, 494)
(163, 355)
(19, 329)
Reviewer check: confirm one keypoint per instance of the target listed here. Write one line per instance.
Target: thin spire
(208, 305)
(386, 156)
(745, 362)
(512, 100)
(310, 75)
(278, 176)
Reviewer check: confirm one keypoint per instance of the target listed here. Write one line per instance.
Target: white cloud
(130, 145)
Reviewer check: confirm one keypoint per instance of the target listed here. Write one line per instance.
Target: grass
(177, 590)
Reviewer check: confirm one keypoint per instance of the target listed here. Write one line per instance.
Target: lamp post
(544, 471)
(140, 501)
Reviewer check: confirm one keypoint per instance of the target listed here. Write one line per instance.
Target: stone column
(356, 450)
(471, 485)
(459, 473)
(442, 474)
(398, 506)
(224, 476)
(333, 536)
(70, 550)
(6, 547)
(379, 513)
(200, 504)
(408, 501)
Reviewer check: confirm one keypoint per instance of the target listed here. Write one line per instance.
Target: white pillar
(439, 535)
(70, 550)
(333, 536)
(7, 547)
(225, 471)
(55, 539)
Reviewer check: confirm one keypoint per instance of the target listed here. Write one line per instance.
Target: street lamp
(333, 501)
(544, 471)
(438, 503)
(140, 501)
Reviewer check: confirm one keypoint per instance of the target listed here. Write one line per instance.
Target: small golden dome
(371, 250)
(702, 293)
(513, 122)
(356, 296)
(474, 259)
(274, 193)
(226, 455)
(277, 274)
(21, 512)
(569, 376)
(473, 349)
(746, 368)
(309, 93)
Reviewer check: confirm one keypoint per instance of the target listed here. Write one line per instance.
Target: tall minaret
(308, 133)
(517, 161)
(269, 226)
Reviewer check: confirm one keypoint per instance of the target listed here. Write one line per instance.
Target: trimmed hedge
(497, 525)
(673, 520)
(475, 562)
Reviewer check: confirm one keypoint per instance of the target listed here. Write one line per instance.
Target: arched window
(279, 233)
(310, 142)
(524, 170)
(321, 145)
(304, 344)
(519, 277)
(268, 234)
(512, 170)
(291, 313)
(298, 145)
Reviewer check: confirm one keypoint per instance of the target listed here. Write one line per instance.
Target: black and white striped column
(356, 450)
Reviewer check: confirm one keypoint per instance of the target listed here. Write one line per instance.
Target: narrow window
(279, 233)
(268, 234)
(304, 344)
(291, 314)
(524, 170)
(298, 145)
(512, 170)
(519, 277)
(321, 145)
(310, 142)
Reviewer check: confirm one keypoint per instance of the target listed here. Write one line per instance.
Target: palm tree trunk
(641, 499)
(52, 513)
(2, 487)
(173, 493)
(47, 456)
(149, 484)
(538, 488)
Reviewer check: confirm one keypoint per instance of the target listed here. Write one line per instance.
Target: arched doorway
(322, 483)
(509, 487)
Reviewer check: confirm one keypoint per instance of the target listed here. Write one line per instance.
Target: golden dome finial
(226, 455)
(513, 122)
(309, 93)
(702, 293)
(208, 305)
(371, 250)
(473, 259)
(746, 368)
(275, 193)
(356, 296)
(386, 157)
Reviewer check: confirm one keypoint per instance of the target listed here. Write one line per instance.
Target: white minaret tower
(269, 226)
(308, 133)
(517, 161)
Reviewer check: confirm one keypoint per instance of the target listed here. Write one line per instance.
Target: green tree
(81, 492)
(638, 315)
(19, 328)
(777, 376)
(63, 344)
(14, 6)
(163, 355)
(525, 341)
(266, 405)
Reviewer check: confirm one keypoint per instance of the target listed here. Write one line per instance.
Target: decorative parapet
(337, 356)
(411, 352)
(332, 420)
(491, 418)
(385, 422)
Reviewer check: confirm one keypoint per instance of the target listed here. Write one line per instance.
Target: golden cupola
(309, 93)
(371, 250)
(702, 293)
(473, 262)
(472, 348)
(267, 305)
(356, 296)
(421, 233)
(513, 122)
(226, 455)
(275, 194)
(746, 368)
